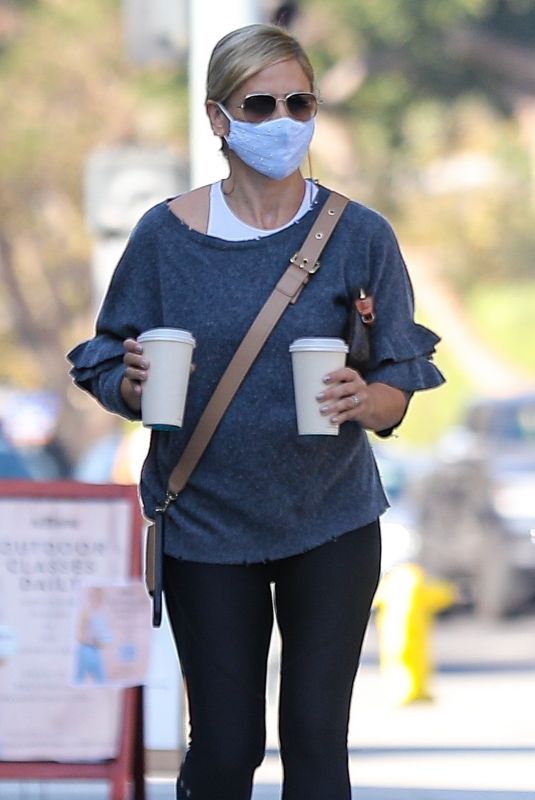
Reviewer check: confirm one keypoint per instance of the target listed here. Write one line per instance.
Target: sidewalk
(476, 741)
(164, 790)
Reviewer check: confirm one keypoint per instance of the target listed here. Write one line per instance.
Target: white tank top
(224, 224)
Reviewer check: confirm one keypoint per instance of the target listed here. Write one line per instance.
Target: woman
(264, 506)
(93, 635)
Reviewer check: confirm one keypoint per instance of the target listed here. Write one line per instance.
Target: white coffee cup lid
(166, 335)
(318, 344)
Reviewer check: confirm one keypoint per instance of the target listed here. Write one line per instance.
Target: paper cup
(163, 400)
(312, 359)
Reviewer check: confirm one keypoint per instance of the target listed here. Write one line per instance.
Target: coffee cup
(312, 359)
(169, 352)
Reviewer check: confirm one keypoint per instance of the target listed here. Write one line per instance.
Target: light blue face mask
(276, 147)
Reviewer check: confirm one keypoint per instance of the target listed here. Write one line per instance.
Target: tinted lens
(302, 105)
(258, 107)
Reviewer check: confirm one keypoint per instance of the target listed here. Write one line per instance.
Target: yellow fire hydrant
(406, 602)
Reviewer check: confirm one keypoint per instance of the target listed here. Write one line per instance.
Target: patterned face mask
(275, 148)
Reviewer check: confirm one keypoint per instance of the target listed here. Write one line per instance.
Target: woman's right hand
(135, 373)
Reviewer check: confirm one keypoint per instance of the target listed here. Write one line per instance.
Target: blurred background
(428, 117)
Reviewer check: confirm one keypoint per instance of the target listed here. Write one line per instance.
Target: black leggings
(222, 619)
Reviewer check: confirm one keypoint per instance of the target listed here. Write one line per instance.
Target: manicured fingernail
(144, 365)
(324, 409)
(327, 379)
(334, 420)
(320, 396)
(138, 348)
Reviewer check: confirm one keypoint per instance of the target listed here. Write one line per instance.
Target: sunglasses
(301, 106)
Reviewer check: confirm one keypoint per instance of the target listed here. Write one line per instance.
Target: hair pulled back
(242, 53)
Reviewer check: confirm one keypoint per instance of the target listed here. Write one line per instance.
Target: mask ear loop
(310, 171)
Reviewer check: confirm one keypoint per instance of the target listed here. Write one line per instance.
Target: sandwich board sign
(74, 633)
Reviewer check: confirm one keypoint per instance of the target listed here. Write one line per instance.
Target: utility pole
(209, 21)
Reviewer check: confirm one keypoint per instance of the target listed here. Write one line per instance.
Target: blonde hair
(242, 53)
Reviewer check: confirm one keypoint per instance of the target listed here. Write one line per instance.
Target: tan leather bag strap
(303, 264)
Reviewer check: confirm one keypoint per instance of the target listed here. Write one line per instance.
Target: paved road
(476, 741)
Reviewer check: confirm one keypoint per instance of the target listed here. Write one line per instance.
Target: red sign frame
(129, 765)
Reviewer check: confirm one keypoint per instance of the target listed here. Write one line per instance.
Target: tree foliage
(66, 90)
(436, 101)
(440, 101)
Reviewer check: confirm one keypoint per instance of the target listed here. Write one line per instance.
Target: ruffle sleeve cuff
(405, 361)
(90, 358)
(97, 367)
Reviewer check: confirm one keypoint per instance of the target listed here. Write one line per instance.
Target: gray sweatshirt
(260, 491)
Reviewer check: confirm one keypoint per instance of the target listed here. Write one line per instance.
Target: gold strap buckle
(302, 262)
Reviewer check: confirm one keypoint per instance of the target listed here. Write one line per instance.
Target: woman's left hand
(346, 397)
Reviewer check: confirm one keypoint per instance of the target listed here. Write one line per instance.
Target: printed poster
(49, 549)
(111, 637)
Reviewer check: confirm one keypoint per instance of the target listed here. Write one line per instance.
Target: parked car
(476, 507)
(400, 473)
